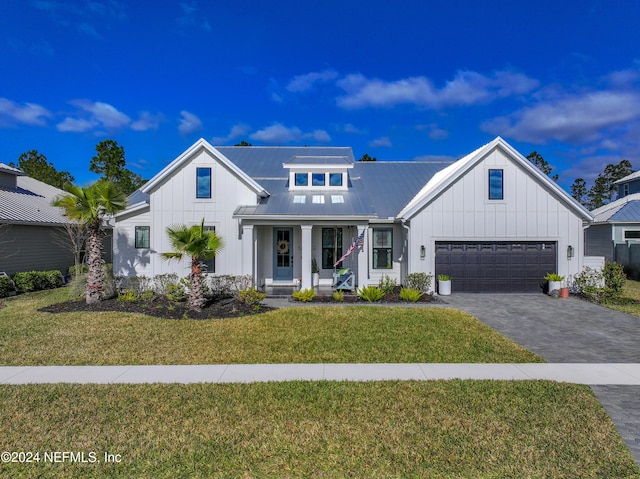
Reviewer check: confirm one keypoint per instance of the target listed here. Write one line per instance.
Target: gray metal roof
(375, 189)
(628, 212)
(30, 203)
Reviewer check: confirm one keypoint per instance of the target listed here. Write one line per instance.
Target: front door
(283, 254)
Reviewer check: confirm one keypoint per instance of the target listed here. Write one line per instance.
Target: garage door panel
(496, 267)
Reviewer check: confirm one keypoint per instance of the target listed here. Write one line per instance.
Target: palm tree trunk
(95, 278)
(196, 294)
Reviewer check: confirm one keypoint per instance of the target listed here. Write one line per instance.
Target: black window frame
(208, 195)
(148, 238)
(493, 186)
(328, 258)
(383, 250)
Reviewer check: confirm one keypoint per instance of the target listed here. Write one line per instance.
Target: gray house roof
(29, 202)
(626, 209)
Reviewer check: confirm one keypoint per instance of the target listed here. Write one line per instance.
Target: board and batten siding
(528, 212)
(33, 248)
(127, 260)
(174, 203)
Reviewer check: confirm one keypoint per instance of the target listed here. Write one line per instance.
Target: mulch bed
(161, 307)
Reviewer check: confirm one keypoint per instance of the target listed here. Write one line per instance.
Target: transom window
(382, 248)
(142, 236)
(496, 184)
(632, 234)
(203, 182)
(331, 246)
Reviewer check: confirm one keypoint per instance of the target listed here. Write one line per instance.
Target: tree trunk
(196, 294)
(95, 278)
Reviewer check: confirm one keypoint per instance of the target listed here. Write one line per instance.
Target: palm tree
(89, 206)
(199, 245)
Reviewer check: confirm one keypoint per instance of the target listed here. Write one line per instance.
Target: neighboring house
(492, 220)
(615, 231)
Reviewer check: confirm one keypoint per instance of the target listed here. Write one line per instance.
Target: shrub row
(37, 280)
(600, 285)
(6, 286)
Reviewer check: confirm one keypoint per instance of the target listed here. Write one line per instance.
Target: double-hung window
(331, 245)
(142, 236)
(382, 248)
(203, 182)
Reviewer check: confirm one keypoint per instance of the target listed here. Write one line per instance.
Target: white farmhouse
(491, 220)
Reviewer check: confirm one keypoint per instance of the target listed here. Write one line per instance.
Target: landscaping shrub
(411, 295)
(419, 281)
(29, 281)
(251, 296)
(338, 296)
(80, 269)
(387, 284)
(304, 295)
(370, 293)
(6, 286)
(614, 279)
(589, 284)
(227, 285)
(127, 296)
(176, 293)
(161, 282)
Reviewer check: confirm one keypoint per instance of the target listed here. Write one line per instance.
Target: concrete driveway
(569, 331)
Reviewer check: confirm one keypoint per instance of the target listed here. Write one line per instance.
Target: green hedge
(37, 280)
(6, 286)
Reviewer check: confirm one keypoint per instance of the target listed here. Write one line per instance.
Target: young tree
(35, 165)
(89, 206)
(537, 159)
(110, 163)
(200, 245)
(73, 237)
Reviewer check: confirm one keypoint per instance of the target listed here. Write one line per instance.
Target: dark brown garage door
(501, 267)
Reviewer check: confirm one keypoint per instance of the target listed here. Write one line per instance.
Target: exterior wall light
(423, 252)
(570, 252)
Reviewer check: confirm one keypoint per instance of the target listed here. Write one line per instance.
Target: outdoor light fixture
(570, 252)
(423, 252)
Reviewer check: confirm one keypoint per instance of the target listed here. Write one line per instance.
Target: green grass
(630, 300)
(291, 335)
(439, 429)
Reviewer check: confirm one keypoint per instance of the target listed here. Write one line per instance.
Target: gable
(473, 170)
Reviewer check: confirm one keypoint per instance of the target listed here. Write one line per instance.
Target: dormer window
(335, 179)
(302, 179)
(318, 172)
(318, 179)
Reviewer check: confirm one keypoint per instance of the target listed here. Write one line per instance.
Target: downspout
(408, 230)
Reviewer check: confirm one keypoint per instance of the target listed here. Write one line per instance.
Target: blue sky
(399, 81)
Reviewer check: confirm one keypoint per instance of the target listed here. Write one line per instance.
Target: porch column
(305, 267)
(363, 258)
(247, 250)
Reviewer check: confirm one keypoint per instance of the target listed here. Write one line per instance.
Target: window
(317, 179)
(496, 184)
(210, 265)
(382, 248)
(337, 199)
(203, 182)
(625, 189)
(302, 179)
(632, 234)
(317, 199)
(335, 179)
(301, 199)
(331, 246)
(142, 236)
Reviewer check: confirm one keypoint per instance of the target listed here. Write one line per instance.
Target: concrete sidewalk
(620, 374)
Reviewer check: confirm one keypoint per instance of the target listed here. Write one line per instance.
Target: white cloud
(466, 88)
(76, 125)
(147, 121)
(189, 123)
(278, 133)
(383, 141)
(581, 117)
(236, 132)
(433, 131)
(301, 83)
(351, 128)
(92, 115)
(12, 113)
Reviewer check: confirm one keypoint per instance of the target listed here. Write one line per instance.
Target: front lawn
(341, 334)
(630, 300)
(437, 429)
